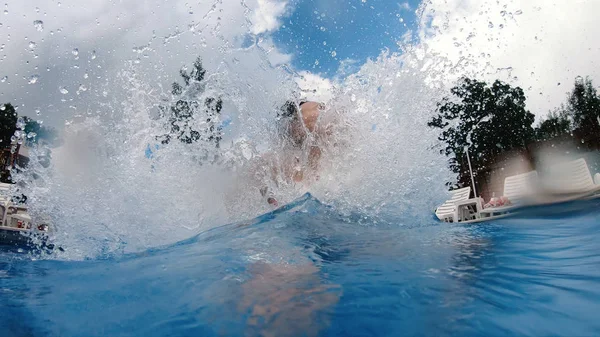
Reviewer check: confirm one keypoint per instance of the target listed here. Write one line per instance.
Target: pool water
(306, 270)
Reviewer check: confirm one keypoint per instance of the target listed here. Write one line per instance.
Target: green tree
(557, 124)
(8, 124)
(35, 132)
(487, 120)
(188, 119)
(583, 105)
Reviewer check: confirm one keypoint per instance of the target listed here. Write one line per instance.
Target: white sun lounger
(570, 180)
(447, 211)
(518, 189)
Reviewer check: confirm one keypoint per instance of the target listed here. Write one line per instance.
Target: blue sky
(336, 30)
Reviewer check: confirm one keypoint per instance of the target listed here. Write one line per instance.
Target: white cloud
(266, 16)
(347, 67)
(275, 56)
(534, 44)
(314, 87)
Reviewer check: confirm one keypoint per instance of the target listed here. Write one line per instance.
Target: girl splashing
(302, 134)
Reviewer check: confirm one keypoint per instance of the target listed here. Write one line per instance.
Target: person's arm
(261, 173)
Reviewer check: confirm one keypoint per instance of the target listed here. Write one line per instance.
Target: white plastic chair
(518, 189)
(447, 211)
(572, 177)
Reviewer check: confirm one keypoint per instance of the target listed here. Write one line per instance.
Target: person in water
(301, 137)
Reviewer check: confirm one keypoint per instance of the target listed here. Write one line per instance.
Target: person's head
(299, 119)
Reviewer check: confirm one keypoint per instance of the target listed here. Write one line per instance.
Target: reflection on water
(284, 300)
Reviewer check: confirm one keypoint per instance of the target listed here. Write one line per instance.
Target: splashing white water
(104, 195)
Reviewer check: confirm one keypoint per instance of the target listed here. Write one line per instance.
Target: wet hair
(289, 110)
(288, 113)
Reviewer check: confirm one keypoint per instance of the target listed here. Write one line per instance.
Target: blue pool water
(306, 271)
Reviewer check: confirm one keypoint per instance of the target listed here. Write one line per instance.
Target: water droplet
(31, 135)
(5, 11)
(32, 45)
(82, 88)
(490, 25)
(519, 12)
(4, 80)
(333, 54)
(33, 79)
(37, 112)
(93, 54)
(322, 28)
(39, 25)
(353, 98)
(86, 75)
(75, 51)
(3, 107)
(63, 90)
(316, 62)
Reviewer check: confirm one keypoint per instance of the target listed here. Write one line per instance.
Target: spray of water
(105, 195)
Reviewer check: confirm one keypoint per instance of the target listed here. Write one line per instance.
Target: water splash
(105, 195)
(39, 25)
(33, 79)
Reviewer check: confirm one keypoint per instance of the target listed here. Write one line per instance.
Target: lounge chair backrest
(457, 195)
(518, 187)
(461, 194)
(570, 177)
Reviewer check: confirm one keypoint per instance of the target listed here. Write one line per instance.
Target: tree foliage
(583, 105)
(34, 131)
(189, 118)
(8, 123)
(487, 120)
(556, 124)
